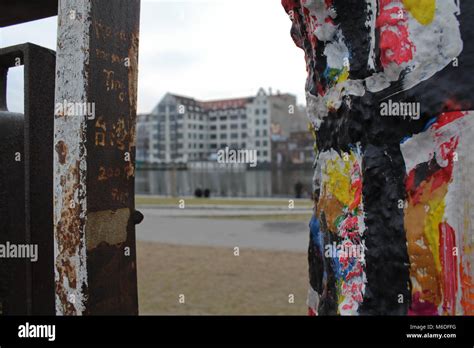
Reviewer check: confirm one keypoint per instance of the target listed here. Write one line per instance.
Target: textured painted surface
(397, 186)
(439, 215)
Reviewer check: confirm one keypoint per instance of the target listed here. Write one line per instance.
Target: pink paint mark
(395, 45)
(419, 307)
(447, 238)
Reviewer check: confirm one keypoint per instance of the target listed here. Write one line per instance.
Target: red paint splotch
(447, 117)
(448, 258)
(467, 285)
(420, 307)
(438, 177)
(395, 44)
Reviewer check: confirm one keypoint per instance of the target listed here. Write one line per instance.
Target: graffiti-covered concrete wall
(389, 98)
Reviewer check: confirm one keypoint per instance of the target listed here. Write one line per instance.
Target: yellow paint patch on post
(343, 76)
(422, 10)
(339, 183)
(432, 221)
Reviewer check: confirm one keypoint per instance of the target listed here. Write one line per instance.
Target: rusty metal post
(94, 157)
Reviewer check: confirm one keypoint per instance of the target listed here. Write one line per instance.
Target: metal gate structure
(72, 193)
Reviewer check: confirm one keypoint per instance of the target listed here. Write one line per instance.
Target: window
(257, 133)
(244, 145)
(233, 118)
(257, 143)
(223, 126)
(213, 136)
(234, 136)
(234, 126)
(264, 132)
(264, 143)
(265, 153)
(257, 112)
(223, 118)
(257, 122)
(213, 128)
(264, 121)
(243, 126)
(201, 136)
(223, 136)
(264, 111)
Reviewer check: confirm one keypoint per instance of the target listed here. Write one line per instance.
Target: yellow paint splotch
(338, 171)
(433, 219)
(422, 10)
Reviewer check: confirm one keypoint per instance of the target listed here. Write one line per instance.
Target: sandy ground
(215, 282)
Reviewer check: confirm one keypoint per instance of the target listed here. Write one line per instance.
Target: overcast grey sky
(207, 49)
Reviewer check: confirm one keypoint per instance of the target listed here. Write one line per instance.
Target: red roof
(226, 103)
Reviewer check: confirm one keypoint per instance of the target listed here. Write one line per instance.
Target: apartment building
(182, 129)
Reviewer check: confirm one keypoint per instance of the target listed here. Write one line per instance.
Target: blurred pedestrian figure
(298, 189)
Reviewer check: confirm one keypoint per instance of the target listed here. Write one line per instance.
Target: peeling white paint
(370, 23)
(72, 58)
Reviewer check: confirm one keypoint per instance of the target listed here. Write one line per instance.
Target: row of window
(201, 136)
(232, 126)
(224, 136)
(228, 112)
(225, 118)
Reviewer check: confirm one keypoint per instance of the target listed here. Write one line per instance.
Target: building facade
(183, 130)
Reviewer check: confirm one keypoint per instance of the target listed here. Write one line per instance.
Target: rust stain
(68, 238)
(132, 86)
(62, 151)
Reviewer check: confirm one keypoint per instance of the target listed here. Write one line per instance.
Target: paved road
(220, 211)
(170, 226)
